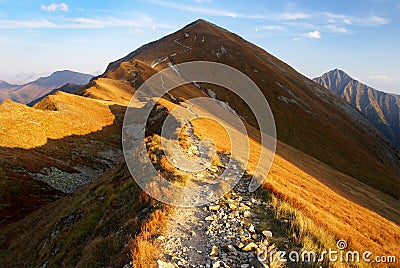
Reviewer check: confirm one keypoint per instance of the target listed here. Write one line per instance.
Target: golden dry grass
(109, 89)
(327, 205)
(144, 251)
(344, 207)
(360, 226)
(55, 117)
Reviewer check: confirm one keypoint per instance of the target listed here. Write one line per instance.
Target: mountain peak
(198, 21)
(337, 75)
(379, 108)
(2, 82)
(338, 72)
(201, 23)
(198, 30)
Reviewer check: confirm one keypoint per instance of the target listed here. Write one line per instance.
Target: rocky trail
(229, 233)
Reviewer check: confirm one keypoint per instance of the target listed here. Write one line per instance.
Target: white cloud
(332, 22)
(379, 76)
(376, 20)
(207, 11)
(26, 24)
(293, 16)
(337, 28)
(386, 78)
(54, 7)
(342, 19)
(82, 23)
(313, 35)
(270, 28)
(337, 18)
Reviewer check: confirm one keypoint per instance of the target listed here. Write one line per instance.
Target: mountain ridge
(279, 82)
(31, 91)
(380, 108)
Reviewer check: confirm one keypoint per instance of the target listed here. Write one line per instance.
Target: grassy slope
(340, 204)
(89, 219)
(63, 131)
(89, 228)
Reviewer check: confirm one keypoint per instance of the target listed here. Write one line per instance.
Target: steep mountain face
(381, 109)
(308, 117)
(29, 92)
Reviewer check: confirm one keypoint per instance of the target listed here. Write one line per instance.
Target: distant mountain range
(380, 108)
(67, 88)
(41, 87)
(25, 78)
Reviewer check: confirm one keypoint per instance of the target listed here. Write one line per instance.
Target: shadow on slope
(65, 163)
(89, 228)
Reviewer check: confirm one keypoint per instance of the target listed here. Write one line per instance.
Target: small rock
(217, 264)
(163, 264)
(251, 246)
(283, 221)
(267, 234)
(129, 265)
(251, 228)
(214, 251)
(247, 214)
(241, 245)
(213, 208)
(160, 237)
(209, 218)
(232, 206)
(254, 262)
(244, 207)
(231, 248)
(245, 265)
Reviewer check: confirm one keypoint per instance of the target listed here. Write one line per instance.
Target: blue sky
(360, 37)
